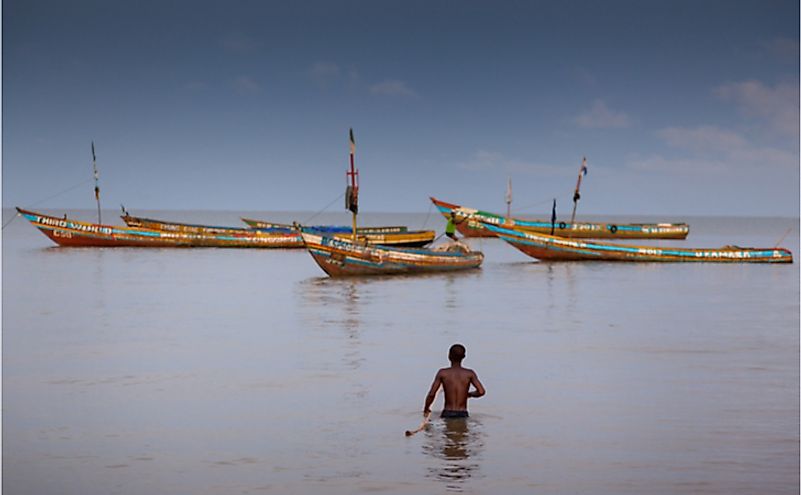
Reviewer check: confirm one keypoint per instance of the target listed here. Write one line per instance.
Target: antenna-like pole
(509, 198)
(97, 186)
(352, 190)
(576, 195)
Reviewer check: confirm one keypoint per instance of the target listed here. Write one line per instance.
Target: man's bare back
(456, 382)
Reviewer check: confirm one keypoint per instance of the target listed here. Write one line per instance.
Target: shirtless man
(456, 381)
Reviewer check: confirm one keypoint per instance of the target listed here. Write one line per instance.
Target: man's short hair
(456, 353)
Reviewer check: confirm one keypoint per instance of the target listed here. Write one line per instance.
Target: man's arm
(432, 393)
(479, 388)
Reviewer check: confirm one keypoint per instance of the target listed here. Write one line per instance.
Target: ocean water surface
(213, 371)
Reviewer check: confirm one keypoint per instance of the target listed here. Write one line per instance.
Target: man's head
(456, 353)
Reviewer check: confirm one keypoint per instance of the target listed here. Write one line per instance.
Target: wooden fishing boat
(149, 223)
(555, 248)
(342, 257)
(400, 237)
(471, 223)
(68, 232)
(342, 229)
(392, 235)
(347, 255)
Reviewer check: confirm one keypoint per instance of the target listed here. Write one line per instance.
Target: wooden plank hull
(395, 236)
(341, 257)
(388, 229)
(553, 248)
(73, 233)
(470, 223)
(149, 223)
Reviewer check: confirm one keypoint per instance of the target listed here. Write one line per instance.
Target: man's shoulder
(456, 371)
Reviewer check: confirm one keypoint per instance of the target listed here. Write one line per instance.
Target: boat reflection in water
(456, 445)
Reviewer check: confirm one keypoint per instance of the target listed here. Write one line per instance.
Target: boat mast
(509, 198)
(352, 189)
(97, 187)
(576, 195)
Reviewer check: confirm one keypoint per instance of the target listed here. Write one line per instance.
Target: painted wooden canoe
(341, 229)
(67, 232)
(149, 223)
(554, 248)
(470, 223)
(404, 237)
(340, 257)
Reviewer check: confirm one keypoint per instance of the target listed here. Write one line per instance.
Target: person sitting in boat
(450, 231)
(450, 228)
(456, 382)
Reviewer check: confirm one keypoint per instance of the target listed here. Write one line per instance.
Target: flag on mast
(509, 198)
(97, 176)
(576, 194)
(97, 185)
(352, 189)
(582, 173)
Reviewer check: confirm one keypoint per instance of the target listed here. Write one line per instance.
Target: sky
(681, 108)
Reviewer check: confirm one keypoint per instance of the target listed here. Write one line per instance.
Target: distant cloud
(240, 43)
(601, 116)
(784, 49)
(710, 150)
(353, 76)
(678, 166)
(196, 86)
(322, 71)
(484, 160)
(753, 161)
(585, 76)
(392, 87)
(703, 138)
(778, 105)
(246, 85)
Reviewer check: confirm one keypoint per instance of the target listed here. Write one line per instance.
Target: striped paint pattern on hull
(340, 257)
(471, 223)
(554, 248)
(73, 233)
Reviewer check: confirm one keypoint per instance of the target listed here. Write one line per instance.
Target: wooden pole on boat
(97, 187)
(509, 198)
(352, 191)
(576, 195)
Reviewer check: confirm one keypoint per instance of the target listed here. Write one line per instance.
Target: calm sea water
(211, 371)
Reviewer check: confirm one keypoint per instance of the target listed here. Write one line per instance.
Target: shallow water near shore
(213, 371)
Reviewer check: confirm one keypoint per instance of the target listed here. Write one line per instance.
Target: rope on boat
(428, 215)
(782, 238)
(525, 209)
(12, 219)
(306, 222)
(82, 183)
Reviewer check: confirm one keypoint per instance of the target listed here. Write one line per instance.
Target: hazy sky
(681, 107)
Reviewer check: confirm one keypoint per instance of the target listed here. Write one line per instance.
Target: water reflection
(561, 294)
(456, 446)
(336, 304)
